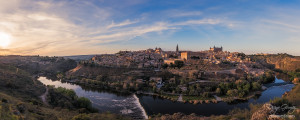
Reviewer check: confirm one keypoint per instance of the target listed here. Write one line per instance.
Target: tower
(177, 49)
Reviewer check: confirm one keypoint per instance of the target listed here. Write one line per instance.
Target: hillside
(283, 62)
(79, 57)
(38, 64)
(92, 72)
(19, 99)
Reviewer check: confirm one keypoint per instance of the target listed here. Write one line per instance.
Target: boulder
(263, 113)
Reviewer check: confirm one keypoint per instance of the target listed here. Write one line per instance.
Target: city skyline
(62, 28)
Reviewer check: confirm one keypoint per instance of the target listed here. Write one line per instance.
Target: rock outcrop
(263, 113)
(280, 61)
(284, 63)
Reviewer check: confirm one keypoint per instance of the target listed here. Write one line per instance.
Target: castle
(216, 49)
(200, 55)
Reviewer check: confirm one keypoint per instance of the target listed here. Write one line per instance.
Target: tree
(267, 77)
(154, 89)
(192, 92)
(99, 78)
(179, 63)
(256, 86)
(67, 92)
(219, 91)
(178, 90)
(232, 93)
(241, 94)
(165, 66)
(83, 102)
(247, 87)
(206, 95)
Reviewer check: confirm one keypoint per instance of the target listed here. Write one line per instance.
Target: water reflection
(105, 101)
(155, 105)
(131, 105)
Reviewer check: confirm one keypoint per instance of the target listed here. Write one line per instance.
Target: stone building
(216, 49)
(190, 55)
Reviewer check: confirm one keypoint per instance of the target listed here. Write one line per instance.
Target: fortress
(200, 55)
(216, 49)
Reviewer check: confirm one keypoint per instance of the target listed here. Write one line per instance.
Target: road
(44, 97)
(180, 98)
(218, 98)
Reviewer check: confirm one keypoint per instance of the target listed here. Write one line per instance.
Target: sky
(79, 27)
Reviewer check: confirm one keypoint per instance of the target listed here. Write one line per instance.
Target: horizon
(143, 50)
(70, 28)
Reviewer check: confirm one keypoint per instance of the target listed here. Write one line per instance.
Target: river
(140, 106)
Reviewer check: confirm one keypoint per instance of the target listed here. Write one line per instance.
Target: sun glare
(4, 39)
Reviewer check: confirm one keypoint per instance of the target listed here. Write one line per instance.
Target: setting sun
(4, 39)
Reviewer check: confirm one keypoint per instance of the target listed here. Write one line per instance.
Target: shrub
(83, 102)
(256, 86)
(81, 117)
(279, 102)
(232, 93)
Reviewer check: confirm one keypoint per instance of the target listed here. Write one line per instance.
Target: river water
(128, 105)
(140, 106)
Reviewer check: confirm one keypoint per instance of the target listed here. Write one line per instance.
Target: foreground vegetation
(19, 99)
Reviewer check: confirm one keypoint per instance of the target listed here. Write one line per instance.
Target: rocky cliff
(286, 63)
(279, 61)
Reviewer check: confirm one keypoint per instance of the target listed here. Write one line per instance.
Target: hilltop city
(155, 58)
(192, 77)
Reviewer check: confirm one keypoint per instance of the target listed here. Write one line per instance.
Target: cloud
(181, 13)
(200, 22)
(76, 27)
(125, 23)
(283, 25)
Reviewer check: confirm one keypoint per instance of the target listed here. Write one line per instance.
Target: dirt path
(218, 98)
(180, 98)
(44, 97)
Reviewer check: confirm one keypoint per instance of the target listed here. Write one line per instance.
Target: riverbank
(211, 97)
(199, 99)
(149, 105)
(125, 105)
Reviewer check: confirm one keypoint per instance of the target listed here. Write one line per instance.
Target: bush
(279, 102)
(232, 93)
(267, 77)
(219, 91)
(81, 117)
(67, 92)
(83, 102)
(165, 66)
(256, 86)
(179, 63)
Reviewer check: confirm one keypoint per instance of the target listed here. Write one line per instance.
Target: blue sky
(74, 27)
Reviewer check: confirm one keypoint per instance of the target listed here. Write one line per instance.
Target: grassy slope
(19, 99)
(294, 96)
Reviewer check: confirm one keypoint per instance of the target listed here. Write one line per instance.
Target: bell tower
(177, 49)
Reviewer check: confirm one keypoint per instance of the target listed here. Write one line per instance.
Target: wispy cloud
(182, 13)
(51, 27)
(283, 25)
(125, 23)
(44, 30)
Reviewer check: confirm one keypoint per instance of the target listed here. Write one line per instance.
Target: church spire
(177, 49)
